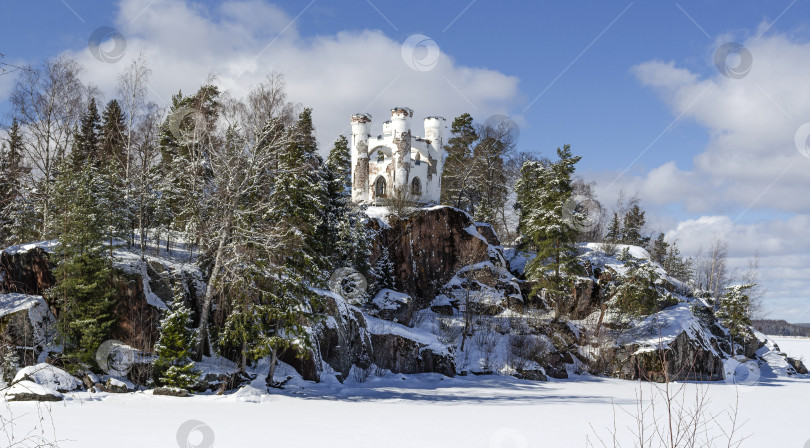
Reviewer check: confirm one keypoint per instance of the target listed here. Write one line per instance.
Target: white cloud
(336, 75)
(751, 159)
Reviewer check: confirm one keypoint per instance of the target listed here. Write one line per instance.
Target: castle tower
(401, 129)
(361, 126)
(435, 133)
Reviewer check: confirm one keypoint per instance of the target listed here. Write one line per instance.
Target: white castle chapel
(396, 161)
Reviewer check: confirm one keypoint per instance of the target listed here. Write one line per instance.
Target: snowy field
(425, 410)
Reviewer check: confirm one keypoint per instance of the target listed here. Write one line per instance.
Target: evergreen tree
(637, 294)
(634, 222)
(542, 193)
(383, 272)
(13, 213)
(337, 179)
(614, 232)
(734, 312)
(173, 366)
(456, 188)
(296, 205)
(658, 251)
(112, 151)
(83, 292)
(87, 141)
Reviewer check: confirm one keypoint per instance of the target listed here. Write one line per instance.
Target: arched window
(418, 159)
(380, 156)
(379, 188)
(416, 187)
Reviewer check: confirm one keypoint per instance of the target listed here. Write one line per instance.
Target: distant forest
(781, 328)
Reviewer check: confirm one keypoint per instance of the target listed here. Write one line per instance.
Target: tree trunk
(210, 291)
(271, 374)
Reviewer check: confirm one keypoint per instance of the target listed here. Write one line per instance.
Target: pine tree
(658, 251)
(637, 294)
(542, 193)
(173, 366)
(456, 172)
(614, 232)
(83, 292)
(634, 222)
(734, 312)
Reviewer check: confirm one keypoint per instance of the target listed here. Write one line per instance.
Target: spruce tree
(734, 312)
(174, 366)
(87, 141)
(112, 151)
(83, 292)
(296, 205)
(542, 193)
(16, 220)
(383, 271)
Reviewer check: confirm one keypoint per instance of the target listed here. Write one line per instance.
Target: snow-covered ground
(795, 347)
(426, 410)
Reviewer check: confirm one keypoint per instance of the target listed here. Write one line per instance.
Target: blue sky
(609, 78)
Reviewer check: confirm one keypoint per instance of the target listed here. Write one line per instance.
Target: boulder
(30, 391)
(797, 365)
(170, 391)
(118, 386)
(26, 321)
(48, 376)
(683, 359)
(392, 305)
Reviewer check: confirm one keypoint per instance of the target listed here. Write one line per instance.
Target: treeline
(239, 180)
(781, 328)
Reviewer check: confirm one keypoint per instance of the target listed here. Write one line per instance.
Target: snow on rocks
(37, 311)
(48, 376)
(48, 246)
(401, 349)
(392, 305)
(31, 391)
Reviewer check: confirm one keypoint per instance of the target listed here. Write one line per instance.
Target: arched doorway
(416, 187)
(380, 188)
